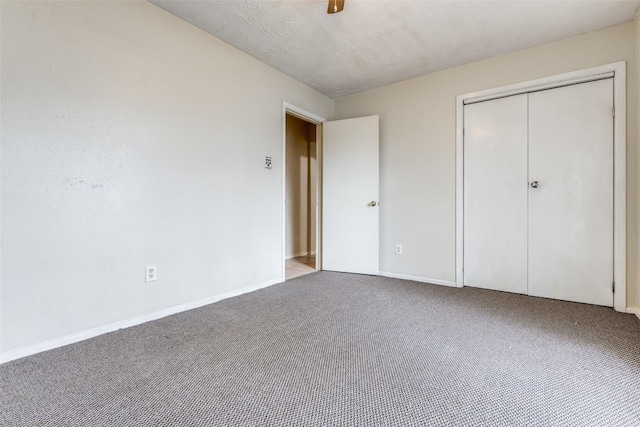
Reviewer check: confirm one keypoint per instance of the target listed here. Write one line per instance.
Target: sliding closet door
(495, 196)
(571, 207)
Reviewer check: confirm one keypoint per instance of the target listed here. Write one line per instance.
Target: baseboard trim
(297, 254)
(418, 279)
(90, 333)
(634, 310)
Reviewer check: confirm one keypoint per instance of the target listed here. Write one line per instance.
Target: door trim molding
(618, 69)
(317, 120)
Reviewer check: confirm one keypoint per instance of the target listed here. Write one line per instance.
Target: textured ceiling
(373, 42)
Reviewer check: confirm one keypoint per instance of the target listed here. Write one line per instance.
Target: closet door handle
(534, 184)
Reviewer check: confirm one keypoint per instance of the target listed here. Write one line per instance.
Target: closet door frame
(617, 70)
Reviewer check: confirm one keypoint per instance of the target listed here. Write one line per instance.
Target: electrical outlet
(267, 162)
(152, 273)
(398, 249)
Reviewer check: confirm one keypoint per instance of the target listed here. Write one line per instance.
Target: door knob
(372, 204)
(534, 184)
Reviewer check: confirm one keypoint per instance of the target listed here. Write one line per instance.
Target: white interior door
(350, 231)
(571, 210)
(495, 197)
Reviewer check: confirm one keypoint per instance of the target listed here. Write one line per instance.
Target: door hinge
(613, 287)
(613, 111)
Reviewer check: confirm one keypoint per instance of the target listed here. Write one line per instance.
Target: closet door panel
(495, 195)
(571, 210)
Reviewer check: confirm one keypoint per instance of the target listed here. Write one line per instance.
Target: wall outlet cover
(151, 273)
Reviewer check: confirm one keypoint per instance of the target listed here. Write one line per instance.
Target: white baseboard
(297, 254)
(634, 310)
(418, 279)
(90, 333)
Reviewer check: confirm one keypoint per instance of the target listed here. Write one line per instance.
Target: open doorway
(301, 197)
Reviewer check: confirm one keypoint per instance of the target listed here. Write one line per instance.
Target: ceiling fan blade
(335, 6)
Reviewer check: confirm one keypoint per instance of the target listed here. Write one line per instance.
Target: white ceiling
(374, 42)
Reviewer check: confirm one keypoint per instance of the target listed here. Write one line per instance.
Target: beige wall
(313, 195)
(417, 146)
(297, 195)
(129, 138)
(301, 187)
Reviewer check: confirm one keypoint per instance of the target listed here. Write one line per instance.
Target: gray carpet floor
(333, 349)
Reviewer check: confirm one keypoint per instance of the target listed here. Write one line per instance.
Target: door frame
(617, 70)
(317, 120)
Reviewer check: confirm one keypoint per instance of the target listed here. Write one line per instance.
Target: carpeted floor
(331, 349)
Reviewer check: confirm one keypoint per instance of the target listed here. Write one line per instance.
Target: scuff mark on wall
(76, 181)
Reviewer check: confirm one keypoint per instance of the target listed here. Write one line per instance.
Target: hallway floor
(299, 266)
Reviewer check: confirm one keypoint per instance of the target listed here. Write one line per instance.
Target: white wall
(637, 171)
(130, 138)
(417, 147)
